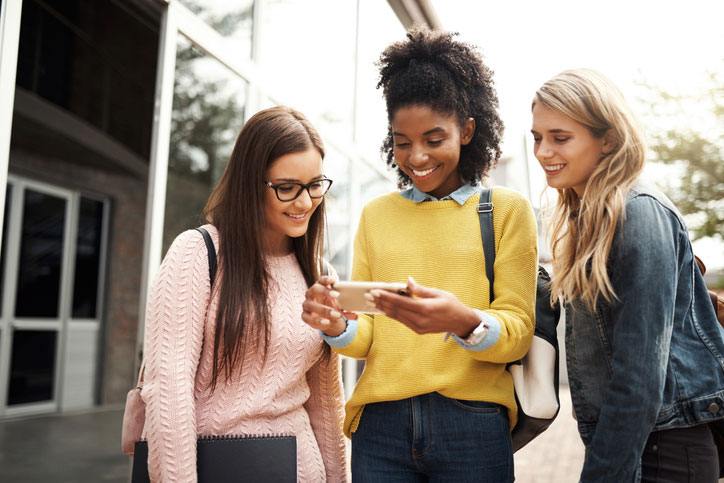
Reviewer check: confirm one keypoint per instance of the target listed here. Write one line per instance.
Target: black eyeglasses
(291, 191)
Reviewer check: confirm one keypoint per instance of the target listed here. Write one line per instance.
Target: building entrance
(51, 274)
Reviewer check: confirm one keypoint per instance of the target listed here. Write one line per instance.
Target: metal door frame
(9, 322)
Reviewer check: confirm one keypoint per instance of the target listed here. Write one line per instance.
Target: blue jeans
(431, 438)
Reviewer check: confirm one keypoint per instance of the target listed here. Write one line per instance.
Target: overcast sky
(669, 43)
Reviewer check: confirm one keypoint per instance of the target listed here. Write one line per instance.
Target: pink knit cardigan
(294, 391)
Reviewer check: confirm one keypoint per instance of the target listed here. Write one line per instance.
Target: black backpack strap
(487, 233)
(211, 252)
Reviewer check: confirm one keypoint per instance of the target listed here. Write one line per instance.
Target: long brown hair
(236, 209)
(582, 230)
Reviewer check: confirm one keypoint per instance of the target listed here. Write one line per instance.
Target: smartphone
(351, 294)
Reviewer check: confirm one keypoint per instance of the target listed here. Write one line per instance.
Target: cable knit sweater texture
(294, 391)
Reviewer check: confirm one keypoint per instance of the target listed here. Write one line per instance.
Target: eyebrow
(294, 180)
(554, 131)
(431, 131)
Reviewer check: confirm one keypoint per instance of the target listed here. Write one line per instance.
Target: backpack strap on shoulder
(487, 233)
(211, 252)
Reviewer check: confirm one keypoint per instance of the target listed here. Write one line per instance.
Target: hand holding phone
(352, 294)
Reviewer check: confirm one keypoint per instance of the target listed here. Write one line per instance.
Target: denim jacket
(654, 358)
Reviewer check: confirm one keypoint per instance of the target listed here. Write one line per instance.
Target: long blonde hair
(582, 230)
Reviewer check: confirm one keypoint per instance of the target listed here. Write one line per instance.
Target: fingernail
(369, 297)
(411, 280)
(335, 314)
(375, 293)
(324, 321)
(333, 294)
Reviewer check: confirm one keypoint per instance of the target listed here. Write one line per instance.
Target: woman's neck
(279, 247)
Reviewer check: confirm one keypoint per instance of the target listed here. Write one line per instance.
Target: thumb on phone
(418, 290)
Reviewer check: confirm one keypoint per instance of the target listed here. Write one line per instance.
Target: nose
(304, 200)
(418, 156)
(543, 150)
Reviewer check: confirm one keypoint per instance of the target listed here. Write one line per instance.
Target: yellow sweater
(439, 244)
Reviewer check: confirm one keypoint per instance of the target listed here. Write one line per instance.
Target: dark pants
(682, 455)
(431, 438)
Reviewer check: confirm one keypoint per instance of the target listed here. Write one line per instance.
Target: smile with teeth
(420, 174)
(554, 167)
(296, 216)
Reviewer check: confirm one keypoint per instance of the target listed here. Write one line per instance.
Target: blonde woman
(645, 352)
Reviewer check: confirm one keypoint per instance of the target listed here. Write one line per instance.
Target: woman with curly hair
(435, 402)
(644, 350)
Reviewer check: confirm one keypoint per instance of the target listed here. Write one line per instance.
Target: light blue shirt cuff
(490, 338)
(345, 338)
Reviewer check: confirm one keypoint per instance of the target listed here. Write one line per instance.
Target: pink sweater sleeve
(326, 414)
(175, 315)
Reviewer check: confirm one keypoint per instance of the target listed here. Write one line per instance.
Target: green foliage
(719, 285)
(694, 142)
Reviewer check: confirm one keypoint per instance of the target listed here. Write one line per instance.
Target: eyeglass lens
(290, 191)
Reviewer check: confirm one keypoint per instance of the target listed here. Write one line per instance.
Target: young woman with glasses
(238, 359)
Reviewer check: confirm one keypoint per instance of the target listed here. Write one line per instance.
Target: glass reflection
(318, 53)
(88, 258)
(234, 20)
(379, 27)
(97, 60)
(208, 112)
(41, 254)
(32, 366)
(337, 167)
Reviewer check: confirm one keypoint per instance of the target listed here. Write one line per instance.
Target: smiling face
(427, 148)
(289, 219)
(566, 149)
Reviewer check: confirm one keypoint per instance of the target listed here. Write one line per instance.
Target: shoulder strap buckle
(485, 207)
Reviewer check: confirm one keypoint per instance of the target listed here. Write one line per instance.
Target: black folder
(234, 459)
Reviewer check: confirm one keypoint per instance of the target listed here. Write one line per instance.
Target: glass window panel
(233, 20)
(379, 27)
(41, 253)
(208, 112)
(311, 62)
(97, 60)
(3, 248)
(32, 366)
(373, 184)
(336, 167)
(88, 258)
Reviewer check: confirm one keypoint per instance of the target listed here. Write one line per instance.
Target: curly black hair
(432, 68)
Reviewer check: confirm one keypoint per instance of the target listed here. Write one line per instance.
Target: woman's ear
(610, 142)
(468, 131)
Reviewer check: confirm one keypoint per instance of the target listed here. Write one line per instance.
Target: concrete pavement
(556, 456)
(85, 447)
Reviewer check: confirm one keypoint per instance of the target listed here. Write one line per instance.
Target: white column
(9, 38)
(158, 168)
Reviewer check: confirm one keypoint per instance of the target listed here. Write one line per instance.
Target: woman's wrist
(336, 327)
(468, 323)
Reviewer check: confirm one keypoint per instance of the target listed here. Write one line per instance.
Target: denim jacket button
(713, 408)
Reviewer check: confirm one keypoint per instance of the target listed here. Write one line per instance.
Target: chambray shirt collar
(460, 195)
